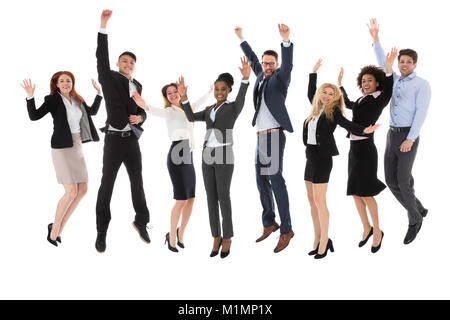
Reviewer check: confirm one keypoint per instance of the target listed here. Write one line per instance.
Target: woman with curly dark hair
(363, 183)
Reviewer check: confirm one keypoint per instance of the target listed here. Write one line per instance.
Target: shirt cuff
(245, 81)
(287, 44)
(185, 102)
(388, 74)
(243, 40)
(102, 30)
(30, 98)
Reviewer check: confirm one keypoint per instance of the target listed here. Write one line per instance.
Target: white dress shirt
(312, 128)
(212, 140)
(265, 120)
(74, 114)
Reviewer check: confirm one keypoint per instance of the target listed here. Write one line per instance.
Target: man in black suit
(122, 131)
(271, 119)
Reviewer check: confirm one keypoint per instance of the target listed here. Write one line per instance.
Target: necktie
(259, 100)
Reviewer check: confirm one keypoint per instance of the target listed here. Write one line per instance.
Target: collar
(225, 102)
(375, 94)
(410, 77)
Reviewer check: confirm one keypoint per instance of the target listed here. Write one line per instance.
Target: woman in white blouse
(179, 158)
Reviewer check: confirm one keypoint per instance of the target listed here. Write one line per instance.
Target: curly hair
(377, 72)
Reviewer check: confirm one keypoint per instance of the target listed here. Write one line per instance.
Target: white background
(196, 39)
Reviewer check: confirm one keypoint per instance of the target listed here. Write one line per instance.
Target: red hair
(54, 88)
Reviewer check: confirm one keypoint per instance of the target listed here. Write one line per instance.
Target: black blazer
(62, 136)
(225, 117)
(366, 111)
(116, 89)
(326, 145)
(277, 85)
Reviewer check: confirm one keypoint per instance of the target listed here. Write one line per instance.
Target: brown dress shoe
(284, 241)
(268, 231)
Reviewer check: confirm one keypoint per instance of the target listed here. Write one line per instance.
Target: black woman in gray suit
(218, 159)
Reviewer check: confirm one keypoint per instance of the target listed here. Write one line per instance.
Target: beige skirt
(69, 163)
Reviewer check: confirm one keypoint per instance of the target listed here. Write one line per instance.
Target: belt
(399, 129)
(267, 131)
(122, 134)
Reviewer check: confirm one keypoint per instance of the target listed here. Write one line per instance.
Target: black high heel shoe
(180, 244)
(323, 255)
(224, 254)
(314, 252)
(216, 252)
(58, 239)
(53, 242)
(362, 243)
(375, 249)
(168, 243)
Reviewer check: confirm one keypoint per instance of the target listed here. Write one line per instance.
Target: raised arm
(158, 112)
(256, 65)
(374, 29)
(385, 96)
(287, 53)
(31, 105)
(348, 103)
(103, 66)
(190, 115)
(312, 85)
(92, 110)
(240, 99)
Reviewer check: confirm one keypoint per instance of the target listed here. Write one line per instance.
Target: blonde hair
(328, 109)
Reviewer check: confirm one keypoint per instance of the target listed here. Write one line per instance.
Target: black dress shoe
(314, 252)
(142, 230)
(53, 242)
(224, 254)
(375, 249)
(216, 252)
(100, 244)
(413, 230)
(173, 249)
(362, 243)
(58, 239)
(180, 244)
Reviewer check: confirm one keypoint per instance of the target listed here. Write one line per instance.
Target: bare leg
(314, 213)
(320, 199)
(174, 218)
(70, 194)
(82, 190)
(361, 207)
(373, 209)
(185, 216)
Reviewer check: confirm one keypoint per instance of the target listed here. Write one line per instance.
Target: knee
(71, 193)
(189, 203)
(82, 190)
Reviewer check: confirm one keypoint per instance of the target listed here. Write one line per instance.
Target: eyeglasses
(270, 64)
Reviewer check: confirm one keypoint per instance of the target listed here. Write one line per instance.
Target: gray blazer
(225, 117)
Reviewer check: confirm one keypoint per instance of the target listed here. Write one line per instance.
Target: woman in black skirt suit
(363, 183)
(327, 112)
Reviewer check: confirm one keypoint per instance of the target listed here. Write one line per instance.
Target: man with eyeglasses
(271, 119)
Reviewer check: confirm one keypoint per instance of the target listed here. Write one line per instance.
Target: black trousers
(118, 150)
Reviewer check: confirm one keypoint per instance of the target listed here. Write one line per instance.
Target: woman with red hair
(72, 125)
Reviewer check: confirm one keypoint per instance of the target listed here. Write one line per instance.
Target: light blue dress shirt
(410, 98)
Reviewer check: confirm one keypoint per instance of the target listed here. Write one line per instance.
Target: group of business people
(126, 112)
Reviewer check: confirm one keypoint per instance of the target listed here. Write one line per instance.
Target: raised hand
(341, 75)
(317, 65)
(284, 32)
(371, 128)
(238, 31)
(97, 87)
(106, 15)
(182, 88)
(390, 59)
(246, 68)
(139, 101)
(29, 88)
(211, 88)
(374, 28)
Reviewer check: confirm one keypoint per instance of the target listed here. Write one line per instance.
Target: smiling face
(327, 95)
(126, 65)
(269, 65)
(64, 84)
(406, 65)
(221, 92)
(172, 95)
(369, 84)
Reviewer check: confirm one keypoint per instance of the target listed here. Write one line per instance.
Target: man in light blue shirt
(409, 107)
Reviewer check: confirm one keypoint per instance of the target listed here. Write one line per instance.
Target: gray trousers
(397, 169)
(217, 178)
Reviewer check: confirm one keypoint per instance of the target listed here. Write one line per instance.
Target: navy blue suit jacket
(277, 86)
